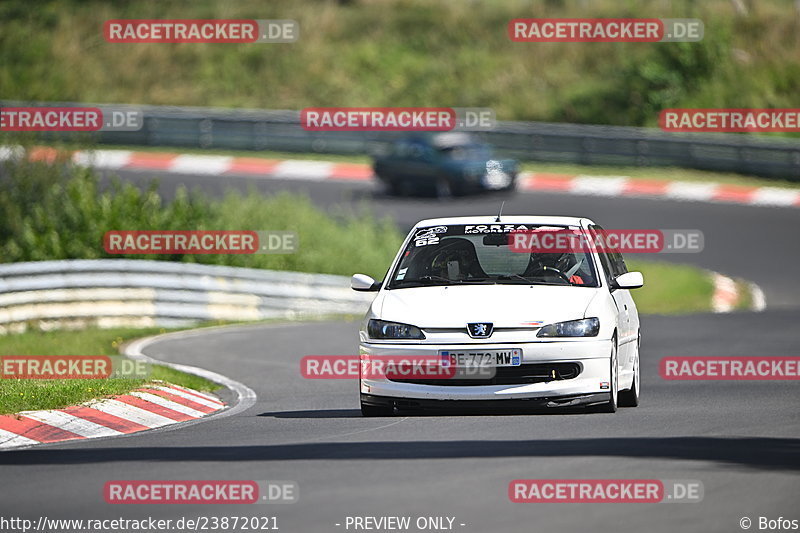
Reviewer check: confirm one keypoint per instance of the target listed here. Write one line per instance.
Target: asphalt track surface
(740, 439)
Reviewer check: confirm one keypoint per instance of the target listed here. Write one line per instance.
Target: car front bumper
(592, 382)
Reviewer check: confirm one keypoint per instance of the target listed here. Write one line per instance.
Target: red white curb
(673, 190)
(609, 186)
(140, 410)
(212, 165)
(727, 295)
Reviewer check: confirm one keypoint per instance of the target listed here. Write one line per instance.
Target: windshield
(480, 254)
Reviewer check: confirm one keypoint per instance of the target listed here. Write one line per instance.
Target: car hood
(504, 305)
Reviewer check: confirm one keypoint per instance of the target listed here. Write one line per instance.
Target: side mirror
(364, 283)
(629, 280)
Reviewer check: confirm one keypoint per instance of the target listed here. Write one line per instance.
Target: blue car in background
(444, 165)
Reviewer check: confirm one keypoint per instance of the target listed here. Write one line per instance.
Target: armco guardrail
(122, 292)
(532, 141)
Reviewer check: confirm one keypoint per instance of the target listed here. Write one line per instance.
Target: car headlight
(586, 327)
(381, 329)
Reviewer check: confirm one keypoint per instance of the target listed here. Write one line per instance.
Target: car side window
(618, 263)
(612, 260)
(618, 267)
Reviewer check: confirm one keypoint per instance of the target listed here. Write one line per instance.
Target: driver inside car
(568, 264)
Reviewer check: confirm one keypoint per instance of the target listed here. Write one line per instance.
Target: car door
(627, 319)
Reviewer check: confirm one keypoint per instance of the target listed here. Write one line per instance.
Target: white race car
(542, 329)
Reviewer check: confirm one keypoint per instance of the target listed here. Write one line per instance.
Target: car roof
(515, 219)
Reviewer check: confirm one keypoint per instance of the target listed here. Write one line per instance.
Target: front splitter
(500, 406)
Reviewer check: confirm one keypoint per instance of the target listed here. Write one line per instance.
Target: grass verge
(409, 53)
(671, 289)
(31, 394)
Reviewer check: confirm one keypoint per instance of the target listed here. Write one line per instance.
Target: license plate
(481, 358)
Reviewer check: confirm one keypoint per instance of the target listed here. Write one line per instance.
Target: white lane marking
(201, 164)
(599, 185)
(71, 423)
(132, 413)
(304, 170)
(191, 397)
(111, 159)
(775, 196)
(245, 396)
(163, 402)
(12, 440)
(684, 190)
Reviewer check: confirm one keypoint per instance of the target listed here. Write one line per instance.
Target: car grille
(510, 375)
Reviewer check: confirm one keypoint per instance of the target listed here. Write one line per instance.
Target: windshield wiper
(509, 277)
(531, 281)
(435, 278)
(448, 280)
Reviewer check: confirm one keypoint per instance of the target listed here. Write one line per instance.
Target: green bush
(662, 78)
(56, 211)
